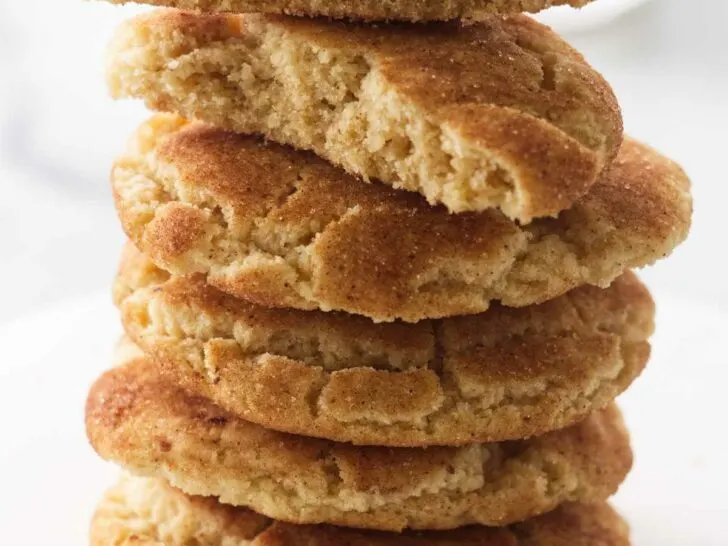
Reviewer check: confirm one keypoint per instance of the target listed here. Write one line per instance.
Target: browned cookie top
(151, 427)
(284, 228)
(502, 114)
(148, 512)
(369, 10)
(504, 374)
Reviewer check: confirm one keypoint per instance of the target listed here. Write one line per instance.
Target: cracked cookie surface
(369, 10)
(150, 427)
(502, 114)
(283, 228)
(505, 374)
(148, 512)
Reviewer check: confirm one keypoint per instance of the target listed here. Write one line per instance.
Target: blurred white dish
(51, 479)
(601, 12)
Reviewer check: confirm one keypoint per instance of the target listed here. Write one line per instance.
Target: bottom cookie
(138, 419)
(148, 512)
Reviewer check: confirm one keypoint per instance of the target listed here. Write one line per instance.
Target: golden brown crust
(369, 10)
(505, 374)
(285, 229)
(499, 114)
(148, 512)
(152, 428)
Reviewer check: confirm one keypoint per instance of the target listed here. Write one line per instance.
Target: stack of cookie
(378, 289)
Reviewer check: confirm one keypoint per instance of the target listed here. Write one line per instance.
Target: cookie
(370, 10)
(501, 375)
(500, 114)
(282, 228)
(137, 419)
(148, 512)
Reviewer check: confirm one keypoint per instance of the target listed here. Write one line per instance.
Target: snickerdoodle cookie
(283, 228)
(148, 512)
(499, 114)
(151, 427)
(370, 10)
(501, 375)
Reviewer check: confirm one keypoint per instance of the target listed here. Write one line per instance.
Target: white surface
(51, 479)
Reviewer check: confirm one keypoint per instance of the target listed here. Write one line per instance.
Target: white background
(59, 242)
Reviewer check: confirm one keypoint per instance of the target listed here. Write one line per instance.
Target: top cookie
(370, 10)
(500, 114)
(282, 228)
